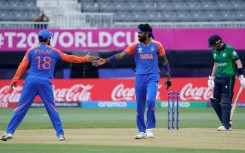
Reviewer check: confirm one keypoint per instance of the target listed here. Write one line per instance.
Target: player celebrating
(222, 79)
(42, 59)
(146, 53)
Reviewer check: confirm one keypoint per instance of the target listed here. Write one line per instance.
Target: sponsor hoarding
(112, 90)
(115, 104)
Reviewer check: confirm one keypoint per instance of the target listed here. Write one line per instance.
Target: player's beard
(218, 47)
(142, 39)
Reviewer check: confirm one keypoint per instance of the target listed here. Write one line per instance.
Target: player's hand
(91, 58)
(242, 81)
(98, 62)
(211, 82)
(168, 84)
(12, 85)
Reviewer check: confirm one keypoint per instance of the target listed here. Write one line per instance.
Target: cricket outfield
(112, 130)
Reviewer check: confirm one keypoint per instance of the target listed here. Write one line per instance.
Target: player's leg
(215, 101)
(45, 91)
(152, 89)
(226, 100)
(140, 91)
(27, 96)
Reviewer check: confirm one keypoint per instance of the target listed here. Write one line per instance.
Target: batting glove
(211, 82)
(242, 81)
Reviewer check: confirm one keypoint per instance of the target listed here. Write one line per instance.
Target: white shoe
(149, 133)
(222, 128)
(6, 136)
(141, 135)
(61, 138)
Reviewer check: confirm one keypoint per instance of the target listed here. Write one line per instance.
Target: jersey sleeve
(234, 54)
(70, 58)
(22, 67)
(130, 48)
(73, 59)
(161, 50)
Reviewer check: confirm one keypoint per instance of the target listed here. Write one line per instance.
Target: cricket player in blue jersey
(42, 59)
(146, 53)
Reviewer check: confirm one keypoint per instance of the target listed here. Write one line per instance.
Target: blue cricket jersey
(43, 60)
(146, 57)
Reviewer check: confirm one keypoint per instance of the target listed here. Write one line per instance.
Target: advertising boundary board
(193, 92)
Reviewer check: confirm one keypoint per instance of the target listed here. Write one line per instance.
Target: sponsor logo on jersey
(221, 64)
(146, 56)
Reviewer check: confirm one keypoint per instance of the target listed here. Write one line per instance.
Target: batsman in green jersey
(226, 62)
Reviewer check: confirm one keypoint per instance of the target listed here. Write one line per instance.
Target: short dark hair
(40, 38)
(146, 28)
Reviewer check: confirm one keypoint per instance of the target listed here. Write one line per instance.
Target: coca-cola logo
(7, 96)
(76, 93)
(188, 92)
(122, 93)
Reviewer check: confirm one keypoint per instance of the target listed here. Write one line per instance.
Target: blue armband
(112, 58)
(167, 68)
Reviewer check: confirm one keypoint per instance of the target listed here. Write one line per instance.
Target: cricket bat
(235, 104)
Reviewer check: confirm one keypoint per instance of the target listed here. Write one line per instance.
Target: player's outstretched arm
(73, 58)
(78, 59)
(99, 61)
(110, 59)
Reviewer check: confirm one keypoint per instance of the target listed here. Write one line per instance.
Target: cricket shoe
(61, 138)
(149, 133)
(6, 136)
(222, 128)
(141, 135)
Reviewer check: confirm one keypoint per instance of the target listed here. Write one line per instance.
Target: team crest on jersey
(224, 54)
(234, 53)
(140, 50)
(152, 49)
(215, 55)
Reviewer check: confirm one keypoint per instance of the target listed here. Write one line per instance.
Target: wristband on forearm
(112, 58)
(168, 83)
(166, 68)
(240, 71)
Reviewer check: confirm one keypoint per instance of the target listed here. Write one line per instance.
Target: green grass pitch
(79, 118)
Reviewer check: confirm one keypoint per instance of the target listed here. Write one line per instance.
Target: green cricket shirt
(225, 59)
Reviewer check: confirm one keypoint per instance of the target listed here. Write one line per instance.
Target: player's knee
(214, 102)
(225, 101)
(151, 105)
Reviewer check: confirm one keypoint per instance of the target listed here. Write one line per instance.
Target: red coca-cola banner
(79, 90)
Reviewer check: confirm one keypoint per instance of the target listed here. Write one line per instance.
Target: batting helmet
(214, 40)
